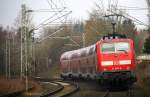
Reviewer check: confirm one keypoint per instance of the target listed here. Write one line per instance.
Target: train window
(115, 47)
(108, 48)
(122, 47)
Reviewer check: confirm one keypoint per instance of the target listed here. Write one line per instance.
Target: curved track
(66, 88)
(69, 89)
(47, 94)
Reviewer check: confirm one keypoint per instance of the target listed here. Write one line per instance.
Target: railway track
(48, 93)
(69, 89)
(66, 88)
(106, 94)
(127, 93)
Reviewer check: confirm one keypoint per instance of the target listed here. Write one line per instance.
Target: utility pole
(22, 41)
(23, 45)
(9, 46)
(6, 55)
(26, 45)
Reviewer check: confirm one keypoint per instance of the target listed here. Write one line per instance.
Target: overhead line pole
(9, 46)
(6, 53)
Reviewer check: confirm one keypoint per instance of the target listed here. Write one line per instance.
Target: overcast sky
(9, 9)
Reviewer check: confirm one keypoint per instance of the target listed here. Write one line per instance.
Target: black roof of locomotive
(114, 36)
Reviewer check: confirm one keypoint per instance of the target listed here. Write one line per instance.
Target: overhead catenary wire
(129, 7)
(61, 28)
(65, 19)
(131, 18)
(59, 15)
(49, 4)
(49, 18)
(53, 3)
(48, 22)
(54, 19)
(46, 10)
(133, 9)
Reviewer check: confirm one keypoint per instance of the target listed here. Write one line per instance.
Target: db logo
(115, 62)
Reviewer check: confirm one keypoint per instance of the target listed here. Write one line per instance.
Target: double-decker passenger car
(79, 63)
(109, 60)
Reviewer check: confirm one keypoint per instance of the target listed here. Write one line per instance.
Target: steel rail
(73, 91)
(129, 93)
(106, 94)
(61, 87)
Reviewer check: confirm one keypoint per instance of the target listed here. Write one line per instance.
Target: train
(110, 60)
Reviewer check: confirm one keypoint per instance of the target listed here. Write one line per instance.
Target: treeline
(2, 49)
(9, 50)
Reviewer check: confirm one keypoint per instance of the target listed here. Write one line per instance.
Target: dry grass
(10, 86)
(35, 91)
(143, 73)
(51, 72)
(14, 85)
(39, 89)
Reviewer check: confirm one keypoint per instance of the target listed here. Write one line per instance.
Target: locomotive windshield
(115, 47)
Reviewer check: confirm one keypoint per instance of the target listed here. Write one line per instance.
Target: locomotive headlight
(105, 69)
(124, 62)
(107, 63)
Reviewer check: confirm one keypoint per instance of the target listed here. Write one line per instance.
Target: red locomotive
(110, 60)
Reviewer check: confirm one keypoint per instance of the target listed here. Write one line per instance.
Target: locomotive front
(116, 61)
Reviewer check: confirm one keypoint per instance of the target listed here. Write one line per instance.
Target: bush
(147, 45)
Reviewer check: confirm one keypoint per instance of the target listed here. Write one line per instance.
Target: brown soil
(10, 85)
(35, 91)
(143, 74)
(14, 85)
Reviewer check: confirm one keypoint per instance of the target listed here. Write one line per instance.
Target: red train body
(107, 60)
